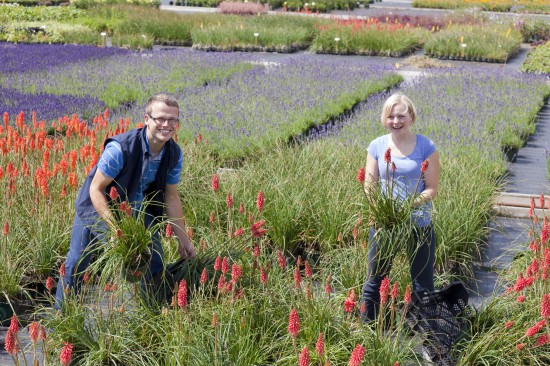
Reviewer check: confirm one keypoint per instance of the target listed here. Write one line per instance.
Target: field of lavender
(278, 226)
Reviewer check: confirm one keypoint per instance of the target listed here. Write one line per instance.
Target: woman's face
(399, 120)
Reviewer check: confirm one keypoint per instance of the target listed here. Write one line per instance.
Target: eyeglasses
(161, 121)
(399, 117)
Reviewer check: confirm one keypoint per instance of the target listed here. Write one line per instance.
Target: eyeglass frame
(171, 121)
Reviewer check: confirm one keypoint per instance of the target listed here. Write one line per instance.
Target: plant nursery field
(272, 202)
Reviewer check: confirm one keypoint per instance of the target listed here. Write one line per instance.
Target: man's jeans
(84, 239)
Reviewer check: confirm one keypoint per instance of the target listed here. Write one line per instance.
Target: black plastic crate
(439, 317)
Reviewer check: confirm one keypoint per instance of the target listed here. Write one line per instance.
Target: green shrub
(534, 29)
(86, 4)
(538, 60)
(496, 43)
(38, 13)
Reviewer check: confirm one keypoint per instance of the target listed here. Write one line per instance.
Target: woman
(411, 178)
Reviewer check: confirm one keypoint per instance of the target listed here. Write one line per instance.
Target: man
(142, 163)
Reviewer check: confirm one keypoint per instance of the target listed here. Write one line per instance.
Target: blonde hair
(398, 98)
(161, 98)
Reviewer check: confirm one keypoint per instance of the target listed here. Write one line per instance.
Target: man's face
(162, 123)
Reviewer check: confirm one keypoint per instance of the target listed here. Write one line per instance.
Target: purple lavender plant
(48, 107)
(34, 57)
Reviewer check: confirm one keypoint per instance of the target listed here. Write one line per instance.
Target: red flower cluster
(257, 229)
(182, 294)
(350, 302)
(260, 201)
(304, 357)
(66, 354)
(215, 183)
(293, 323)
(384, 290)
(361, 175)
(357, 356)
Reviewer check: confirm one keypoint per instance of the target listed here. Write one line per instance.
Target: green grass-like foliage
(368, 37)
(538, 60)
(495, 43)
(259, 33)
(531, 6)
(38, 13)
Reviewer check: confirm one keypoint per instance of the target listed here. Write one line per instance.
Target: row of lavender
(235, 104)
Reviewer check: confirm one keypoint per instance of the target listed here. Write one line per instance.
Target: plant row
(531, 6)
(142, 27)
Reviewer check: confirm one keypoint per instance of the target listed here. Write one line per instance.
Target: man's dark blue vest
(127, 182)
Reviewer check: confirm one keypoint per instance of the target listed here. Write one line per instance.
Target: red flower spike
(545, 306)
(520, 346)
(260, 201)
(393, 167)
(308, 271)
(236, 273)
(225, 265)
(62, 270)
(328, 285)
(509, 324)
(49, 284)
(218, 263)
(6, 229)
(293, 323)
(297, 277)
(241, 208)
(408, 295)
(395, 291)
(357, 356)
(541, 201)
(182, 294)
(387, 156)
(221, 284)
(169, 231)
(14, 324)
(215, 183)
(10, 343)
(86, 277)
(33, 332)
(320, 345)
(361, 175)
(520, 299)
(256, 251)
(66, 354)
(281, 260)
(229, 200)
(42, 333)
(424, 166)
(545, 232)
(542, 340)
(384, 290)
(239, 232)
(350, 302)
(113, 193)
(212, 218)
(535, 329)
(304, 357)
(204, 276)
(257, 229)
(263, 275)
(532, 208)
